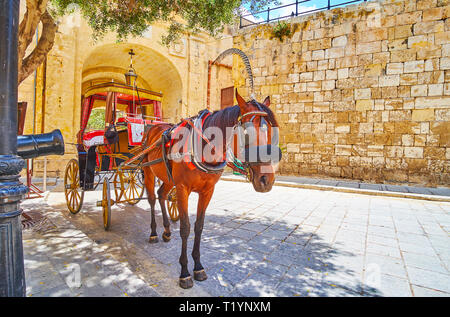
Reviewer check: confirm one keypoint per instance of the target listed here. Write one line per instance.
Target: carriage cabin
(112, 124)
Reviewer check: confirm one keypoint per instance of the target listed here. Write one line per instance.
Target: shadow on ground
(248, 249)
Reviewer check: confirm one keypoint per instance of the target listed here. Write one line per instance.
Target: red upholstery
(91, 134)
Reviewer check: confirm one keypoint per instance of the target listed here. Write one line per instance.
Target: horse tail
(246, 61)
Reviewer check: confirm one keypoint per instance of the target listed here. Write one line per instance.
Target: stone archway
(155, 72)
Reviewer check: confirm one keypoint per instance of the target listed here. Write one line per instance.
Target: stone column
(12, 274)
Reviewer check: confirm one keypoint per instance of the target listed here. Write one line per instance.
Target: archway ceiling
(153, 68)
(108, 73)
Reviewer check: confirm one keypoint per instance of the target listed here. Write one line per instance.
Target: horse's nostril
(264, 180)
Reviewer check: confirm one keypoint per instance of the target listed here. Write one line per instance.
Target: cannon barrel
(35, 145)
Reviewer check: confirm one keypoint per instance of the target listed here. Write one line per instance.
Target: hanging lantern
(131, 73)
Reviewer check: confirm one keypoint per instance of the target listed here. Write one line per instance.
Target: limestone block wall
(360, 92)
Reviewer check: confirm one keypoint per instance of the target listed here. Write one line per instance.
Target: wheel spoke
(135, 190)
(72, 198)
(75, 200)
(69, 172)
(75, 197)
(75, 173)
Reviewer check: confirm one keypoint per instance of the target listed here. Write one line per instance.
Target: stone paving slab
(288, 242)
(438, 191)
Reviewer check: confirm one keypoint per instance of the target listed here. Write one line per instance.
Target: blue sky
(302, 7)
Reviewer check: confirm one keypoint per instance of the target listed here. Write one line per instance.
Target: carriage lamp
(131, 73)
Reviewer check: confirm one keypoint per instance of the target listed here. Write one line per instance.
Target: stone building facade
(360, 92)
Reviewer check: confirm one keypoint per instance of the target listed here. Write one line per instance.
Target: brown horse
(188, 179)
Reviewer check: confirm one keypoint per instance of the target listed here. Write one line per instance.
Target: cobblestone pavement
(61, 260)
(288, 242)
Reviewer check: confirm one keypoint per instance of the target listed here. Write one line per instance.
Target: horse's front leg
(149, 181)
(182, 203)
(203, 200)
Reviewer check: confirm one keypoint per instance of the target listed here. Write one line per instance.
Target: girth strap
(165, 137)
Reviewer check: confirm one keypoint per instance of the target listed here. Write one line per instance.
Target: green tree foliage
(132, 17)
(96, 119)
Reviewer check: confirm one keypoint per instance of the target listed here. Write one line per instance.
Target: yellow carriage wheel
(118, 189)
(172, 207)
(132, 185)
(106, 204)
(72, 188)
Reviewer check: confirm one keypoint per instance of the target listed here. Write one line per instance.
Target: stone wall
(361, 92)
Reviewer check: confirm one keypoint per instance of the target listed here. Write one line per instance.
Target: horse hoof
(166, 237)
(200, 275)
(153, 239)
(186, 282)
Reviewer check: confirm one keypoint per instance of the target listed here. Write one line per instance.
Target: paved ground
(288, 242)
(62, 261)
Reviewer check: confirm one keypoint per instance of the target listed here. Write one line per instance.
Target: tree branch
(45, 44)
(28, 25)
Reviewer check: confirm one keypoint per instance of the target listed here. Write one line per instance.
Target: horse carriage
(132, 150)
(103, 145)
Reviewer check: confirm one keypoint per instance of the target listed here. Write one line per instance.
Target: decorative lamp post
(12, 274)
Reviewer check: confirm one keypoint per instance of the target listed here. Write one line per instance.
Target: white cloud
(276, 13)
(288, 10)
(248, 16)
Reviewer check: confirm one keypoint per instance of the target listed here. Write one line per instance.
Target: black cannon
(35, 145)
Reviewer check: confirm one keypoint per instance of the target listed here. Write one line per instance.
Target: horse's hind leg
(163, 191)
(149, 181)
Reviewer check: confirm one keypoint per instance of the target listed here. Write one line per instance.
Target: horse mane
(223, 118)
(228, 116)
(270, 115)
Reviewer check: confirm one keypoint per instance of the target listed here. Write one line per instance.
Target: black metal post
(268, 14)
(296, 7)
(12, 274)
(329, 4)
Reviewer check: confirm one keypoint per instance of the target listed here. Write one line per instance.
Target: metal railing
(297, 8)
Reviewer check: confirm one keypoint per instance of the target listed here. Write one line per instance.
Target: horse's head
(258, 142)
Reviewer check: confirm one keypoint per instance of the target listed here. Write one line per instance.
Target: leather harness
(190, 157)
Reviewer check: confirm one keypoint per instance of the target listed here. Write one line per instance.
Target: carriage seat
(121, 147)
(96, 137)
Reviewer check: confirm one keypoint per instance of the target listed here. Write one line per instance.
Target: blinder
(262, 154)
(248, 154)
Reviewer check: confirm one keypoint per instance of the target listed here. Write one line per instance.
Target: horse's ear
(267, 102)
(241, 102)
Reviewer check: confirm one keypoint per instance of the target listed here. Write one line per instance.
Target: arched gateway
(109, 62)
